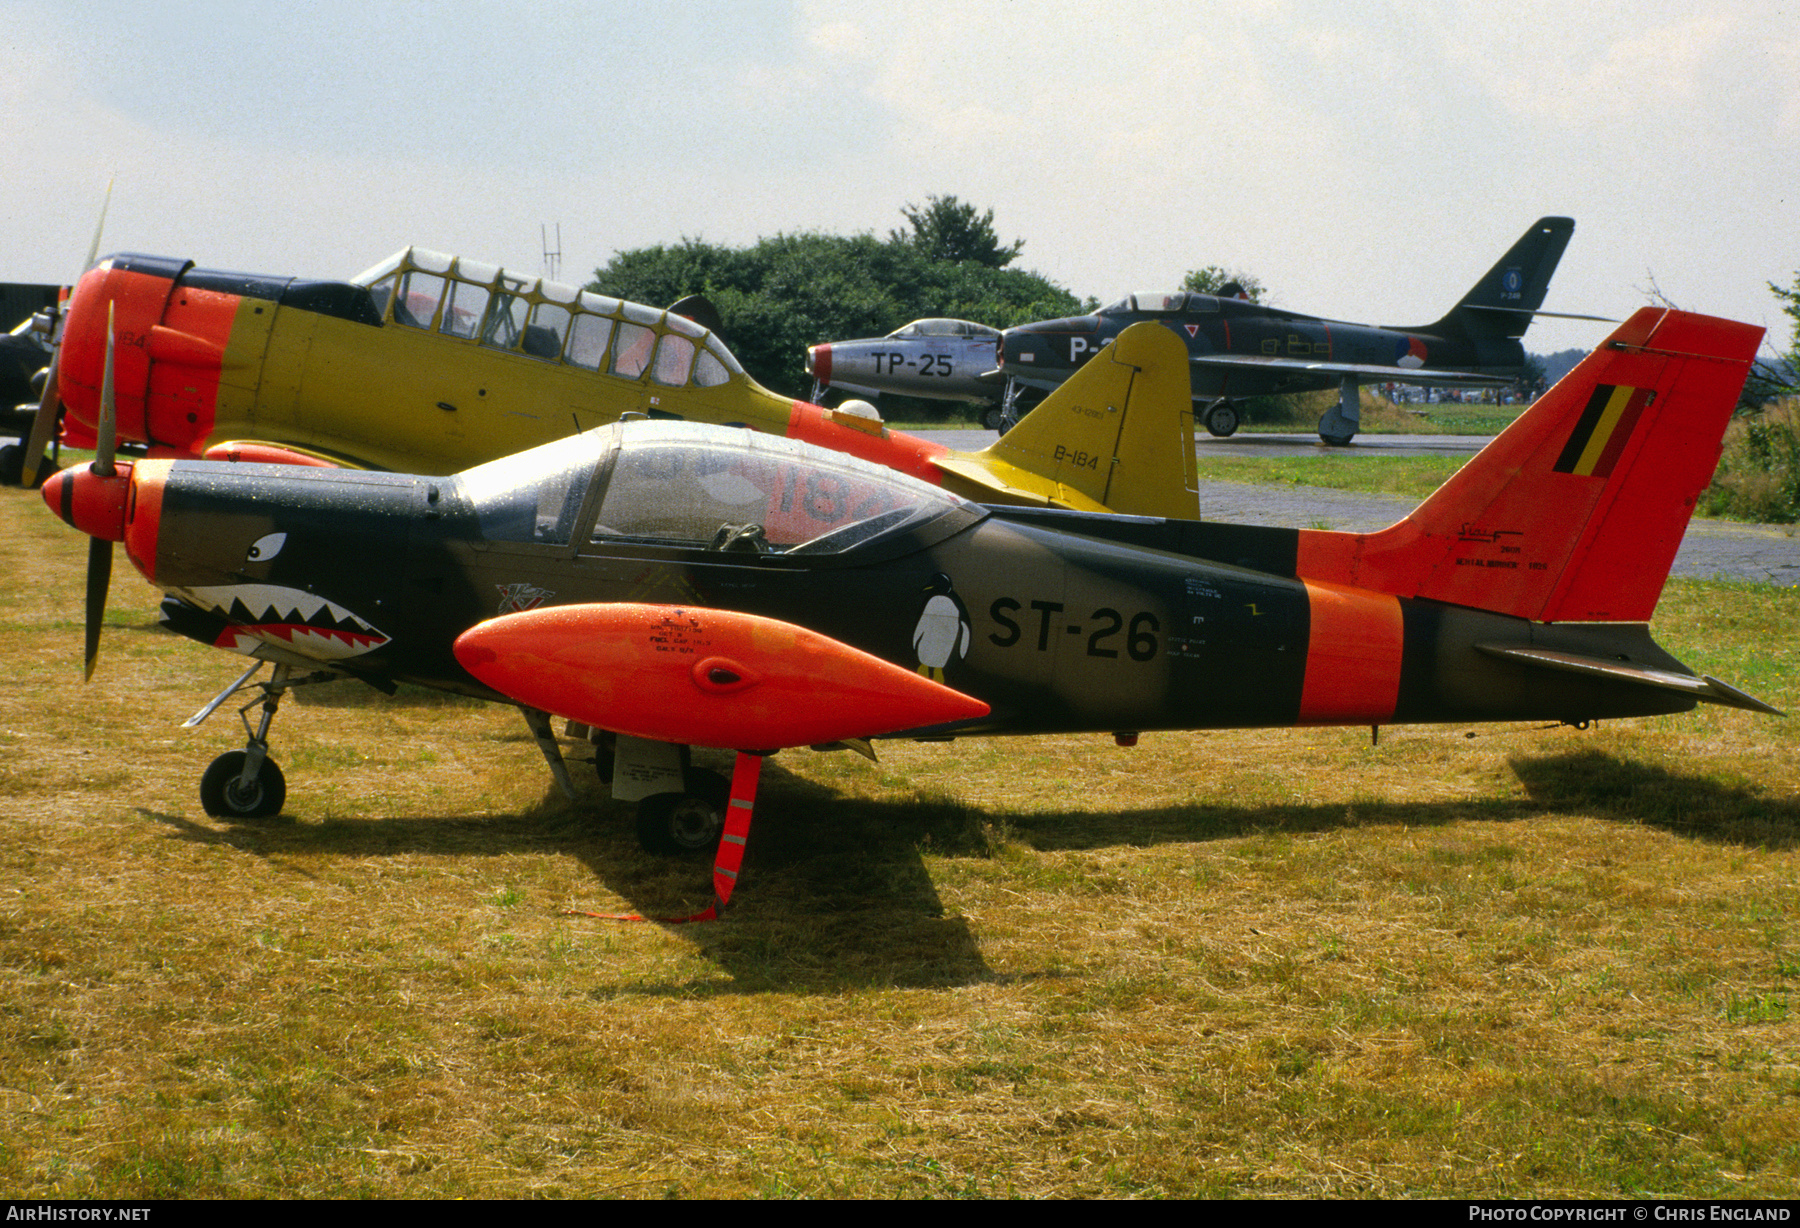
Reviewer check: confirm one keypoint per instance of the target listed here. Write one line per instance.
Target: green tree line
(786, 292)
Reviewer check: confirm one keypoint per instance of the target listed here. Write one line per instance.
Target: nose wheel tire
(687, 822)
(224, 795)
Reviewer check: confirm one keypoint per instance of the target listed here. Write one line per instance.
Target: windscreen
(736, 490)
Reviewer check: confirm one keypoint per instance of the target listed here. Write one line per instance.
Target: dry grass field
(1488, 961)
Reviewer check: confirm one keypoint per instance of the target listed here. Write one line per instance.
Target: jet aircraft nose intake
(89, 502)
(818, 362)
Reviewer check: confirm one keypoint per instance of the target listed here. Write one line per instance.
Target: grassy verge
(1497, 961)
(1417, 476)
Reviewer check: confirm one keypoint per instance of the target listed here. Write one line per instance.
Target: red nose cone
(818, 363)
(89, 502)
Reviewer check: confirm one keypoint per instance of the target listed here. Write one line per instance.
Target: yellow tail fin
(1118, 436)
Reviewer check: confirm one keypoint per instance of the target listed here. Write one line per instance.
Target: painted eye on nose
(265, 548)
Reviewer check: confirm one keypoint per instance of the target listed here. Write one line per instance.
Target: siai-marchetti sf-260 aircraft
(680, 585)
(1241, 349)
(431, 364)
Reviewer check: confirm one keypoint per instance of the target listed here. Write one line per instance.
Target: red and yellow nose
(137, 301)
(124, 507)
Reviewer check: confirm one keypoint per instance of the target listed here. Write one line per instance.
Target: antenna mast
(552, 258)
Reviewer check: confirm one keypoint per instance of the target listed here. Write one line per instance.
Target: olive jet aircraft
(935, 359)
(430, 364)
(679, 585)
(1239, 349)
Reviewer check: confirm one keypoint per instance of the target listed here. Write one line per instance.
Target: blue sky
(1368, 162)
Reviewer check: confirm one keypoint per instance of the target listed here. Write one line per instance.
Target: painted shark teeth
(290, 618)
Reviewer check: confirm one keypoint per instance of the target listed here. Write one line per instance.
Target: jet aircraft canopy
(1162, 300)
(689, 485)
(547, 320)
(937, 327)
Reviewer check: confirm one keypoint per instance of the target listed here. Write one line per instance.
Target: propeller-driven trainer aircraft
(679, 585)
(936, 359)
(1240, 349)
(430, 364)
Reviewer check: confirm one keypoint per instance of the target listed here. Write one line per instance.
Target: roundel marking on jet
(1409, 353)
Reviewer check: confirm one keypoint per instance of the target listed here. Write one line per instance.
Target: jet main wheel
(224, 795)
(991, 419)
(1221, 420)
(689, 822)
(1337, 441)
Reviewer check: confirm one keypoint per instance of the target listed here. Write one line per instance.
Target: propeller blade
(94, 247)
(108, 439)
(43, 429)
(99, 578)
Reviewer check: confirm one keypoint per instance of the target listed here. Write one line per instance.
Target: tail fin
(1502, 303)
(1575, 512)
(1117, 436)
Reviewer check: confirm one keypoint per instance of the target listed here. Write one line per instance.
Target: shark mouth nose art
(288, 618)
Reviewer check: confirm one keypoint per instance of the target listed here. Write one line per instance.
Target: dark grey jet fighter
(1239, 349)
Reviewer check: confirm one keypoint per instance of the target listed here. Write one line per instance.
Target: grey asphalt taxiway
(1712, 549)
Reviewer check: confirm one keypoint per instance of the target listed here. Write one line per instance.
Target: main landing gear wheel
(991, 419)
(1222, 421)
(689, 822)
(1336, 441)
(224, 795)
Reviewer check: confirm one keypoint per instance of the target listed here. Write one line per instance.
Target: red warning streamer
(738, 812)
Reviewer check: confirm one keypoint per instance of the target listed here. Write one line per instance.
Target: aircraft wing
(1369, 372)
(702, 677)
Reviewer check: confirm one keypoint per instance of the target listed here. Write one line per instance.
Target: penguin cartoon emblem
(943, 632)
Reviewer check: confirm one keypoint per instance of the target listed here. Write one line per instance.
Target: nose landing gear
(247, 784)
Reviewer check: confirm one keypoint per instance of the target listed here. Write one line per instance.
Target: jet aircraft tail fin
(1574, 513)
(1117, 436)
(1500, 306)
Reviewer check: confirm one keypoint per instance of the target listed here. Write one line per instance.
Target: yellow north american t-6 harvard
(428, 363)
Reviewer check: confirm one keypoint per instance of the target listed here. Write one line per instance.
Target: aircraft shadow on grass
(1606, 786)
(838, 894)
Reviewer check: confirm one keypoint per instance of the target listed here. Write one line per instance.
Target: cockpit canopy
(1162, 301)
(547, 320)
(690, 485)
(938, 327)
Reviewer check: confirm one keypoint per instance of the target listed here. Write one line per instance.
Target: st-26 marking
(1141, 642)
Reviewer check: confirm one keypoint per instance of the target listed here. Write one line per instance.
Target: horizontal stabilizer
(1705, 689)
(702, 677)
(1549, 315)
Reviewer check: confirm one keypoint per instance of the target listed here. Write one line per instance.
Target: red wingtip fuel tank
(706, 677)
(126, 507)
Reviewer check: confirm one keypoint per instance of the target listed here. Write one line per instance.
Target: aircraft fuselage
(1058, 621)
